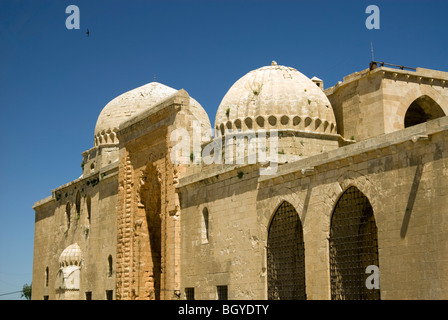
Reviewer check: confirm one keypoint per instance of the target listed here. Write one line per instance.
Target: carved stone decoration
(148, 235)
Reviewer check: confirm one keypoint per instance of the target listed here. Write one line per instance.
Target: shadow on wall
(411, 199)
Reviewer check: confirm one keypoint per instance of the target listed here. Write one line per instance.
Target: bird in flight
(88, 32)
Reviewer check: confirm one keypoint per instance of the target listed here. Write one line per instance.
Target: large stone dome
(276, 97)
(133, 102)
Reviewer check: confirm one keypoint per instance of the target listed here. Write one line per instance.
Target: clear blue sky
(54, 81)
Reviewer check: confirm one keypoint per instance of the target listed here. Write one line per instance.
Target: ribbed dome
(71, 256)
(135, 101)
(275, 97)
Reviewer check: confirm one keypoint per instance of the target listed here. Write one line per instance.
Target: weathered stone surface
(147, 228)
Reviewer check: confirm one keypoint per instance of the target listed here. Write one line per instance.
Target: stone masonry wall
(405, 177)
(96, 238)
(371, 103)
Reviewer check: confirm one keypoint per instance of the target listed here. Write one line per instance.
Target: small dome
(71, 256)
(277, 97)
(133, 102)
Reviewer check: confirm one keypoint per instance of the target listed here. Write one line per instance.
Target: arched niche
(421, 110)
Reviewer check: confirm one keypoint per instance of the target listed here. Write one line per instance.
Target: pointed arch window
(67, 214)
(78, 203)
(110, 269)
(89, 208)
(286, 255)
(46, 276)
(353, 247)
(421, 110)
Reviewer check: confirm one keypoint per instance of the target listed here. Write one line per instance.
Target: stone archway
(414, 95)
(421, 110)
(353, 247)
(148, 239)
(286, 255)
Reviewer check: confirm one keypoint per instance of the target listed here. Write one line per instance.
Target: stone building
(301, 193)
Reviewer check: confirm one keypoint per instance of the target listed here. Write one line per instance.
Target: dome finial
(273, 63)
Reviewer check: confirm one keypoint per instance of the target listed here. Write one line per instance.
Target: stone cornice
(421, 75)
(376, 147)
(103, 173)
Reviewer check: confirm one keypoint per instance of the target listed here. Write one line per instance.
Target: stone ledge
(420, 73)
(414, 134)
(43, 201)
(104, 173)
